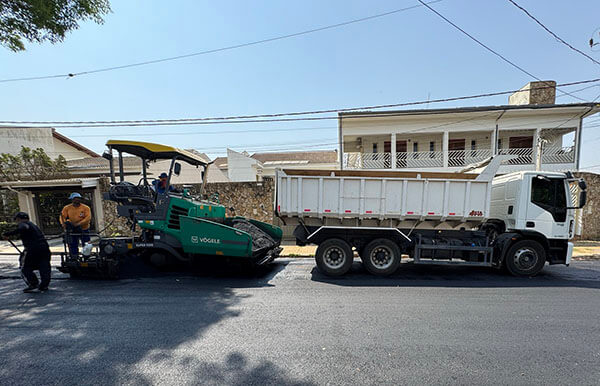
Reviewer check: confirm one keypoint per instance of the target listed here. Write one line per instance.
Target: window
(415, 149)
(473, 148)
(431, 149)
(374, 148)
(549, 194)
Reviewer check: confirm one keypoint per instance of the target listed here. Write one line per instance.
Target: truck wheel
(334, 257)
(525, 258)
(381, 257)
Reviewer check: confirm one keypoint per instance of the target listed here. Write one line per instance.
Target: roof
(214, 174)
(221, 162)
(199, 154)
(297, 157)
(101, 163)
(65, 182)
(155, 151)
(74, 144)
(591, 106)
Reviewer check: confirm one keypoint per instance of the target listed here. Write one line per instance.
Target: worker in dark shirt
(36, 255)
(160, 185)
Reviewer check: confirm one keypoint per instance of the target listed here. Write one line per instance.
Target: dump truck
(174, 226)
(518, 221)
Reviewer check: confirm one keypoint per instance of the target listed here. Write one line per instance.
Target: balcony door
(523, 147)
(456, 152)
(401, 147)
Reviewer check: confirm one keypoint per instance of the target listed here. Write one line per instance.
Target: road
(290, 325)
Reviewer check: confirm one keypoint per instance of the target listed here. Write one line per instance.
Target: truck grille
(176, 211)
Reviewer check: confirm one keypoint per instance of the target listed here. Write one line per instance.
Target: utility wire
(247, 44)
(552, 33)
(253, 118)
(488, 48)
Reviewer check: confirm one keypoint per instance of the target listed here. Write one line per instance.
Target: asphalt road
(290, 325)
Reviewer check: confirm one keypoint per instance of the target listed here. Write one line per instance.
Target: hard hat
(74, 195)
(21, 216)
(163, 175)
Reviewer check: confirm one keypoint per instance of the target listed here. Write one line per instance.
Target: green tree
(31, 165)
(45, 20)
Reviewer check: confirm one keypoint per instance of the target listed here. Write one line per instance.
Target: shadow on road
(128, 331)
(577, 275)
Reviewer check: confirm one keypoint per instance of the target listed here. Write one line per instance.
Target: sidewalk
(583, 251)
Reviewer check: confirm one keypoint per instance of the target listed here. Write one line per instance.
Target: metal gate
(49, 204)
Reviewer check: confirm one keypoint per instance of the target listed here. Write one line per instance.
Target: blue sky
(407, 56)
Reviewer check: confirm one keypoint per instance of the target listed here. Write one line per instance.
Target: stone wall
(591, 219)
(114, 225)
(248, 199)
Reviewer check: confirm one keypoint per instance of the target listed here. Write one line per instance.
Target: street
(291, 325)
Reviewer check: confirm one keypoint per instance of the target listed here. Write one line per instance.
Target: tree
(31, 165)
(45, 20)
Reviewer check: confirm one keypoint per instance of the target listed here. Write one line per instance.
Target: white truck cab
(536, 201)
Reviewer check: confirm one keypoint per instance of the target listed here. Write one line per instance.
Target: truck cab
(539, 206)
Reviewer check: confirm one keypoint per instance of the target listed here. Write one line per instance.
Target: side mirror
(177, 169)
(108, 156)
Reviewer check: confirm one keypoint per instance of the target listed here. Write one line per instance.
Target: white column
(99, 215)
(393, 159)
(445, 141)
(493, 143)
(577, 143)
(537, 149)
(27, 205)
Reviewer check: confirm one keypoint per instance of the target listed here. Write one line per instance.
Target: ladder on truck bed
(487, 251)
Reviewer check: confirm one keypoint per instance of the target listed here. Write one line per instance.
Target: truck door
(547, 207)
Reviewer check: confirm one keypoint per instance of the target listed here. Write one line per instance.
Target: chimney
(535, 93)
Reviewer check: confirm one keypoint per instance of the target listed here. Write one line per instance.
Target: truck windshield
(550, 195)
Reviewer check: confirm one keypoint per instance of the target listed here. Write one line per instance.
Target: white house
(47, 138)
(244, 167)
(541, 134)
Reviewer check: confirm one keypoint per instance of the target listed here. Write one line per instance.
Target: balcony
(455, 158)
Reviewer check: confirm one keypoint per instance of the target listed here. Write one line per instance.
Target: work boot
(30, 289)
(43, 289)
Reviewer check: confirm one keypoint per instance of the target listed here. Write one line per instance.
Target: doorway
(456, 152)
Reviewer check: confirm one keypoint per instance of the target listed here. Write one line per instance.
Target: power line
(578, 90)
(488, 48)
(252, 118)
(227, 48)
(552, 33)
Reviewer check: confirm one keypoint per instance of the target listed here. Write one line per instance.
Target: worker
(75, 219)
(36, 254)
(160, 185)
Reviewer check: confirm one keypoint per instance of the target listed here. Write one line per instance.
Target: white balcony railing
(421, 159)
(467, 157)
(524, 156)
(367, 160)
(558, 155)
(456, 158)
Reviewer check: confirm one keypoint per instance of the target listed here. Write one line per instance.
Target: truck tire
(525, 258)
(334, 257)
(381, 257)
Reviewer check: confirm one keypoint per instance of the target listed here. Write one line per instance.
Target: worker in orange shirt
(75, 219)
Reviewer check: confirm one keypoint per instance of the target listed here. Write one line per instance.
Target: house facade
(540, 134)
(243, 167)
(47, 138)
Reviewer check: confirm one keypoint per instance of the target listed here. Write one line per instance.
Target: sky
(407, 56)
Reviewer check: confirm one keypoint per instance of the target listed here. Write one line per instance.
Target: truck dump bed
(367, 195)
